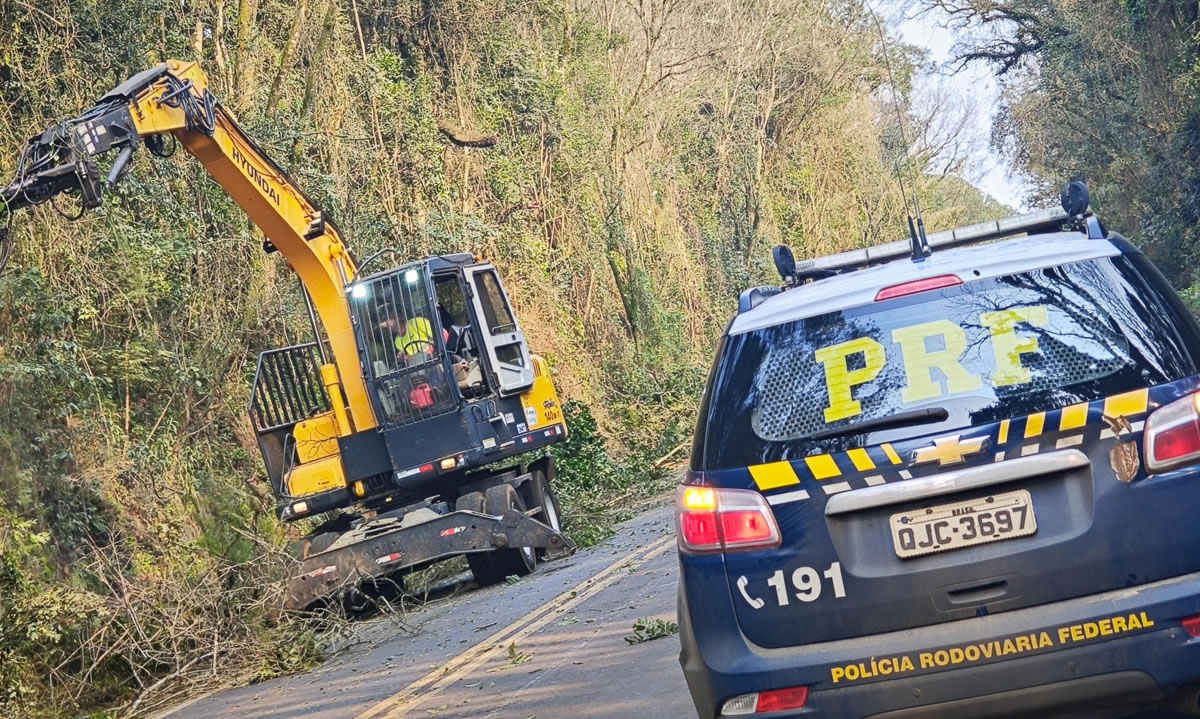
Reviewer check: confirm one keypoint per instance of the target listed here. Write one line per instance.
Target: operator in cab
(415, 335)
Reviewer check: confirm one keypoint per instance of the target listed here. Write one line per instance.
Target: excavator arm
(173, 100)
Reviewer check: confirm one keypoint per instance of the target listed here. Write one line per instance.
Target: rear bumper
(1071, 658)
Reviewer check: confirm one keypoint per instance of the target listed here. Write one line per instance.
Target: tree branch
(459, 138)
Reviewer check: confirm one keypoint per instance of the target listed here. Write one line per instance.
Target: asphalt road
(549, 647)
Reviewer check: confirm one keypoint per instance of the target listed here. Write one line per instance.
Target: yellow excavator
(393, 426)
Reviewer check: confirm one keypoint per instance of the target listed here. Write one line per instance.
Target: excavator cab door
(503, 341)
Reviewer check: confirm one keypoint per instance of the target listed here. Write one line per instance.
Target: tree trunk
(241, 56)
(314, 69)
(625, 292)
(362, 45)
(286, 58)
(198, 41)
(218, 45)
(322, 49)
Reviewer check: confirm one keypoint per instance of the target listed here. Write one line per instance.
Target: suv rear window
(984, 350)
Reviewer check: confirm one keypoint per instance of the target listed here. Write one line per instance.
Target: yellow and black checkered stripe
(795, 480)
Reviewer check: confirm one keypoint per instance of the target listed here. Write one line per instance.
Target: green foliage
(583, 460)
(297, 652)
(1106, 90)
(19, 549)
(517, 657)
(647, 629)
(1191, 298)
(595, 489)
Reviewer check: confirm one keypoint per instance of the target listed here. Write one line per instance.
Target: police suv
(949, 478)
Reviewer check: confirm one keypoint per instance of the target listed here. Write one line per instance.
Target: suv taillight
(709, 519)
(1172, 435)
(765, 702)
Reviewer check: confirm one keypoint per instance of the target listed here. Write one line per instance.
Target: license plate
(964, 524)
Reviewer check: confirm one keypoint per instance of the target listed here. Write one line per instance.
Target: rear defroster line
(403, 702)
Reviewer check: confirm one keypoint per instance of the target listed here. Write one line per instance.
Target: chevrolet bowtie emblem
(949, 450)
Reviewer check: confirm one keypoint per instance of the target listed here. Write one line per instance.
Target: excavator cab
(448, 371)
(449, 377)
(437, 334)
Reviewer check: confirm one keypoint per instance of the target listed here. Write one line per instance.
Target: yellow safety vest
(416, 334)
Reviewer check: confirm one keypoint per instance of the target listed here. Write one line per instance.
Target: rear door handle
(979, 591)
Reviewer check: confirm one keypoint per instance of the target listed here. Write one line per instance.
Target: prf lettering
(931, 352)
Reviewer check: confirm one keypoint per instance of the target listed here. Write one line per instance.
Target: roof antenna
(920, 243)
(916, 232)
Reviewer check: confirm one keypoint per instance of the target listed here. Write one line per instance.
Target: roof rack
(1048, 220)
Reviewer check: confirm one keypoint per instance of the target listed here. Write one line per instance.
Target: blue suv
(953, 483)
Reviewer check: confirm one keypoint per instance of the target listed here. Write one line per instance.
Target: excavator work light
(359, 291)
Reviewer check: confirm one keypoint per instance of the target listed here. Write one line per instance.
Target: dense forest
(626, 163)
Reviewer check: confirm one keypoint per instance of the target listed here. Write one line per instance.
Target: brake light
(745, 526)
(763, 702)
(915, 286)
(700, 529)
(1172, 437)
(710, 519)
(1192, 626)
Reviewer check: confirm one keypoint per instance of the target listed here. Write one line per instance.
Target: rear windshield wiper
(900, 419)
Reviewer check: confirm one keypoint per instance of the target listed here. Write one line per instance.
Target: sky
(995, 176)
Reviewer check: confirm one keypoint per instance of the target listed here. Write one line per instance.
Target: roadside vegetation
(627, 164)
(1105, 90)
